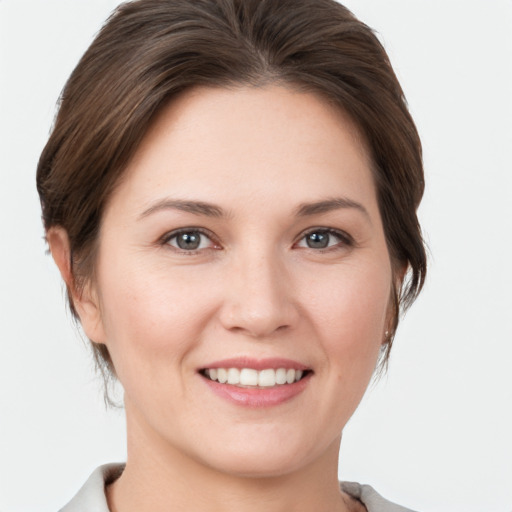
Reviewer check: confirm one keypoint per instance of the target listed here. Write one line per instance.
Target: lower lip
(258, 397)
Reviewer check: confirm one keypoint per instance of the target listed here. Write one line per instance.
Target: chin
(264, 466)
(265, 458)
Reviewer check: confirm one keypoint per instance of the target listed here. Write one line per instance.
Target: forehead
(252, 115)
(241, 140)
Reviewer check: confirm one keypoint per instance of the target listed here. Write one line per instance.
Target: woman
(230, 194)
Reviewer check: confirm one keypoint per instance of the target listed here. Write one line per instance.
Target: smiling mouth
(249, 377)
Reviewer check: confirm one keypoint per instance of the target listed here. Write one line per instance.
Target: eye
(324, 239)
(189, 240)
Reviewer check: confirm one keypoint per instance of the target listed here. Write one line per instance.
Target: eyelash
(176, 233)
(345, 240)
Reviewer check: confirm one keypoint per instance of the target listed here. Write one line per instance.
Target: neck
(158, 477)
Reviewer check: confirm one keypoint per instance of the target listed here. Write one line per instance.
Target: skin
(254, 288)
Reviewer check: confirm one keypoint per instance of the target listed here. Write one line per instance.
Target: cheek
(350, 317)
(151, 318)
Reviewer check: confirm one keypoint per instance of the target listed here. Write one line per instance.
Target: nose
(259, 298)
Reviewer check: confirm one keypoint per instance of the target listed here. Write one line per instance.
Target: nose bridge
(258, 301)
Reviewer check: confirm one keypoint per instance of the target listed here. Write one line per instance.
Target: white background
(436, 433)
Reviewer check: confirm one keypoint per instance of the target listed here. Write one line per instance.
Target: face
(243, 280)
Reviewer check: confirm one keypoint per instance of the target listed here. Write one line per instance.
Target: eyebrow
(328, 205)
(211, 210)
(195, 207)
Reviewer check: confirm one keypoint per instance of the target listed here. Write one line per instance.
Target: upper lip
(257, 364)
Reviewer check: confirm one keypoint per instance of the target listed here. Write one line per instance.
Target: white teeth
(233, 376)
(281, 376)
(267, 378)
(249, 377)
(222, 375)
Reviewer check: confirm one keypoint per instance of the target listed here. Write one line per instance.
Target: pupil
(189, 241)
(318, 240)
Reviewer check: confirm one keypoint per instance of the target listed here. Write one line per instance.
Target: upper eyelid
(175, 232)
(164, 240)
(333, 231)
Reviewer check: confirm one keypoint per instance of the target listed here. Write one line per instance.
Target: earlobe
(83, 300)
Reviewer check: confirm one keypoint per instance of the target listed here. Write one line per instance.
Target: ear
(83, 300)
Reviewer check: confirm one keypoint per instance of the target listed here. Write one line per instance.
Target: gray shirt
(91, 497)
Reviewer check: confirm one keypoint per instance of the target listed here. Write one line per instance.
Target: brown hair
(150, 50)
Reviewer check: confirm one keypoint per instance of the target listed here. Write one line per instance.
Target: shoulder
(371, 499)
(91, 497)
